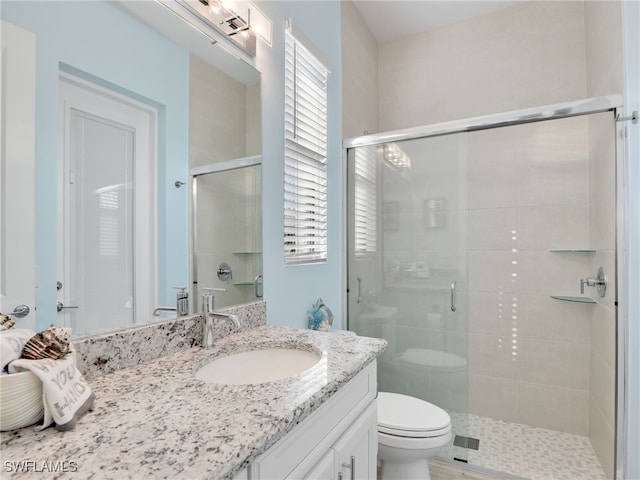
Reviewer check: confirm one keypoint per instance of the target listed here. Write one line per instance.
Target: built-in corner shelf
(565, 298)
(572, 250)
(574, 299)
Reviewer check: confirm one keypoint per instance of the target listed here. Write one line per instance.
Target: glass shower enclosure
(473, 248)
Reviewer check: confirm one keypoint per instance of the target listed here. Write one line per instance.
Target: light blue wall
(631, 20)
(290, 291)
(103, 41)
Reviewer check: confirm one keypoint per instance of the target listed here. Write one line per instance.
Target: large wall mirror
(108, 109)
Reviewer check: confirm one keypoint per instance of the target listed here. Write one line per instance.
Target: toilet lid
(403, 413)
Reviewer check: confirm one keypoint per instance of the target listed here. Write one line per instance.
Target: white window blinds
(305, 162)
(365, 202)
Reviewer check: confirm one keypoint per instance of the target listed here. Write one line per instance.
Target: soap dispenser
(182, 302)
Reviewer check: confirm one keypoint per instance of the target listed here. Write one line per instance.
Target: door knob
(20, 311)
(60, 306)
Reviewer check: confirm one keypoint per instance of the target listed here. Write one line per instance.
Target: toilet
(410, 431)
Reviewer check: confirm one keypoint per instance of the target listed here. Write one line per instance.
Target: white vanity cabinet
(352, 457)
(336, 442)
(356, 451)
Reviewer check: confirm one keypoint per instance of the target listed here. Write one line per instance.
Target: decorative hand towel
(11, 344)
(65, 394)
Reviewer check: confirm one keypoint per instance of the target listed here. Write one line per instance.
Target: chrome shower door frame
(610, 103)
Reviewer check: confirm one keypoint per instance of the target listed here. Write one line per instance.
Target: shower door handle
(453, 296)
(359, 298)
(257, 286)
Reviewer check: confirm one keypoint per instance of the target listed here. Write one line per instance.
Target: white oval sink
(257, 366)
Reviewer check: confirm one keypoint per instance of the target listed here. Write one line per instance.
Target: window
(305, 163)
(365, 186)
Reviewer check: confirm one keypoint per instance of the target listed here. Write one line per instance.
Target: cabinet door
(324, 469)
(357, 449)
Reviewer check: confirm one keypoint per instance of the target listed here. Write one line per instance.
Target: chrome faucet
(208, 314)
(182, 304)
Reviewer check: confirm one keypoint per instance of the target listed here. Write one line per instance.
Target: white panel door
(107, 255)
(17, 145)
(100, 223)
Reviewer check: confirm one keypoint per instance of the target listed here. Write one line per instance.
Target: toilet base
(418, 470)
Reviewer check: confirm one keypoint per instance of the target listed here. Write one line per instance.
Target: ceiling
(392, 19)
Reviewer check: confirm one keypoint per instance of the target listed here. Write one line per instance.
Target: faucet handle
(599, 281)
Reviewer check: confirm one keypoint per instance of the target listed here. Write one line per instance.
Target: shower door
(407, 266)
(491, 237)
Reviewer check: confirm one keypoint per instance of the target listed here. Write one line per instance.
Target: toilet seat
(404, 416)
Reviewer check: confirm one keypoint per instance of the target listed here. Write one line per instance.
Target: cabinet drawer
(303, 447)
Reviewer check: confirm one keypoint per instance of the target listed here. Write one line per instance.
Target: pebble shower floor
(529, 452)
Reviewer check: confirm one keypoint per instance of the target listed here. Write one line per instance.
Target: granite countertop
(157, 420)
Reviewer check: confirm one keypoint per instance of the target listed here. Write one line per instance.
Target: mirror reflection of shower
(227, 230)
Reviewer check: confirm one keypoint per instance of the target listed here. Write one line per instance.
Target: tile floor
(526, 452)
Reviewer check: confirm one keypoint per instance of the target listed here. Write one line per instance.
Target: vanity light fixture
(243, 18)
(234, 22)
(216, 18)
(214, 7)
(239, 22)
(230, 22)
